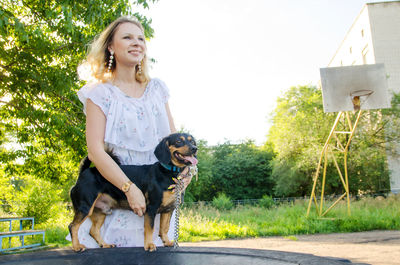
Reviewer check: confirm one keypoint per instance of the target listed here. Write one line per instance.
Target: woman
(127, 112)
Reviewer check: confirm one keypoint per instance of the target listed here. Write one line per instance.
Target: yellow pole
(345, 160)
(347, 182)
(340, 173)
(341, 197)
(348, 120)
(325, 150)
(320, 161)
(323, 183)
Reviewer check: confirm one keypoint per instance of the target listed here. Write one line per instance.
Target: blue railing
(19, 233)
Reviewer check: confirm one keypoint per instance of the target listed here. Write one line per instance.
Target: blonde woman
(127, 112)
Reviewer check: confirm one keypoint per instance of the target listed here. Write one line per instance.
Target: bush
(241, 171)
(39, 198)
(222, 202)
(266, 202)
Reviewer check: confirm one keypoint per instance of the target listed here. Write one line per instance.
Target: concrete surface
(373, 247)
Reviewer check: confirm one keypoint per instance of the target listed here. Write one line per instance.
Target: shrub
(266, 202)
(222, 202)
(39, 198)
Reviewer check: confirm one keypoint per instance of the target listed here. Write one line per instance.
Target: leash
(178, 201)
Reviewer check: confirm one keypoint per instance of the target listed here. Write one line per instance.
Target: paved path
(373, 247)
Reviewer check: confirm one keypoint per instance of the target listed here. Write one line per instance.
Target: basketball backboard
(355, 87)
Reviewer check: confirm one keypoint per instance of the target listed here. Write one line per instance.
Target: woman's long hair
(96, 64)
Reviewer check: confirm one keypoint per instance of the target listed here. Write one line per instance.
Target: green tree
(242, 171)
(298, 130)
(203, 188)
(41, 45)
(239, 171)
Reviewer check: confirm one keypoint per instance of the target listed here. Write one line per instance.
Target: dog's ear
(162, 152)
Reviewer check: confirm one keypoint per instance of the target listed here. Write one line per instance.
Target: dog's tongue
(191, 159)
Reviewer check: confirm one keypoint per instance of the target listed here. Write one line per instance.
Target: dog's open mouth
(187, 160)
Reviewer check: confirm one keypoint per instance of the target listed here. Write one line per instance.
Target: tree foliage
(41, 45)
(299, 131)
(203, 188)
(240, 171)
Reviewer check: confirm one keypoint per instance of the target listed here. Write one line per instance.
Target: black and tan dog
(94, 197)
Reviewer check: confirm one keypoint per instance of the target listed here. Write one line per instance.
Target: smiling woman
(123, 31)
(127, 112)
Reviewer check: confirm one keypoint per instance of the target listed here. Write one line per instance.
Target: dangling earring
(110, 62)
(140, 68)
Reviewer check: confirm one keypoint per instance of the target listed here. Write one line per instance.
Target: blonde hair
(98, 57)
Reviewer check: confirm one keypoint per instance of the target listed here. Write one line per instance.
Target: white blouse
(134, 126)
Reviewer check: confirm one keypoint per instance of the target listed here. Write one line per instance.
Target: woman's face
(128, 44)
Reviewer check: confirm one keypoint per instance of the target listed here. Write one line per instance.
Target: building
(373, 38)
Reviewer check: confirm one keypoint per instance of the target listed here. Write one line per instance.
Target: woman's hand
(186, 181)
(186, 178)
(136, 200)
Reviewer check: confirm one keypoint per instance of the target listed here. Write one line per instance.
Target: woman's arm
(95, 131)
(170, 119)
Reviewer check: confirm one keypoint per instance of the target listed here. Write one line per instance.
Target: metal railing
(280, 200)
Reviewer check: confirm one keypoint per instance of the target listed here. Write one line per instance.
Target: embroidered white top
(134, 126)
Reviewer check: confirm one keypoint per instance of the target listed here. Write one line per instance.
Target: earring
(140, 68)
(110, 62)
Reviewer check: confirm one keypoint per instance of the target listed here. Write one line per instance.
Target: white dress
(134, 126)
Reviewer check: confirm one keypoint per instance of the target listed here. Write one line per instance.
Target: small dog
(94, 197)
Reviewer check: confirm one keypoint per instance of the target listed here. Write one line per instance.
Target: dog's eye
(179, 142)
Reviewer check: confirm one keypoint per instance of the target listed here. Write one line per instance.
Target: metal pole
(320, 160)
(323, 184)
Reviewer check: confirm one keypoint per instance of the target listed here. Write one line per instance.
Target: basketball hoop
(360, 82)
(343, 88)
(357, 95)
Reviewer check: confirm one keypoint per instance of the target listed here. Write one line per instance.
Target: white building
(373, 38)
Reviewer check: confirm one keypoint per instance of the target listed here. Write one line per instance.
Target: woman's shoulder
(94, 86)
(156, 81)
(157, 86)
(95, 89)
(99, 93)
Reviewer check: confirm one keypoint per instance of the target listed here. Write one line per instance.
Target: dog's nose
(193, 149)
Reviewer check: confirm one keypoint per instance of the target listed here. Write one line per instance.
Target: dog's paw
(168, 243)
(107, 246)
(150, 247)
(79, 248)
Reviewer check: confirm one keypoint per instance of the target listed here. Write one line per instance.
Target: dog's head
(178, 149)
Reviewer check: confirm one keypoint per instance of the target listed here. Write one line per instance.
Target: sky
(226, 62)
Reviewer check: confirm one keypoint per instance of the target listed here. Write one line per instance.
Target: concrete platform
(169, 256)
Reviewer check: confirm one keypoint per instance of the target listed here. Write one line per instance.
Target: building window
(351, 50)
(362, 33)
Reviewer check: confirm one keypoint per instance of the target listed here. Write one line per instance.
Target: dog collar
(171, 168)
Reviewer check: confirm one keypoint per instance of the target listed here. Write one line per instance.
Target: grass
(207, 223)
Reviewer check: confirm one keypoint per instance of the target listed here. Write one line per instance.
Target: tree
(242, 171)
(41, 45)
(203, 188)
